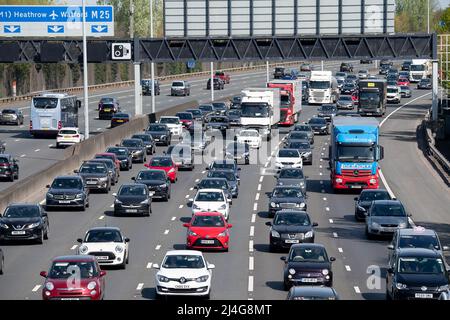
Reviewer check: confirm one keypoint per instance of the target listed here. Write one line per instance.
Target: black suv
(160, 133)
(346, 67)
(218, 84)
(279, 72)
(95, 176)
(157, 182)
(8, 167)
(67, 191)
(149, 143)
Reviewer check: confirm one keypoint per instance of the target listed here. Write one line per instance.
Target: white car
(393, 94)
(68, 136)
(107, 244)
(184, 273)
(288, 158)
(211, 200)
(250, 136)
(173, 123)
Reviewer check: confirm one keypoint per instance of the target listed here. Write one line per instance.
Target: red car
(208, 230)
(74, 278)
(109, 155)
(355, 97)
(186, 119)
(223, 76)
(165, 163)
(403, 82)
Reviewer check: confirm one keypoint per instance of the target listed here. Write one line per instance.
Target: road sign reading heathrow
(55, 21)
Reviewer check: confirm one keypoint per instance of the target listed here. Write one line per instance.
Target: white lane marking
(261, 179)
(255, 206)
(50, 145)
(259, 187)
(266, 165)
(181, 206)
(250, 246)
(320, 173)
(268, 159)
(139, 286)
(251, 264)
(331, 220)
(327, 209)
(257, 196)
(323, 149)
(335, 234)
(321, 181)
(101, 218)
(250, 283)
(22, 156)
(37, 150)
(320, 166)
(158, 247)
(321, 160)
(323, 191)
(203, 171)
(149, 265)
(187, 196)
(340, 250)
(98, 129)
(74, 247)
(324, 199)
(391, 193)
(252, 231)
(348, 268)
(166, 231)
(17, 140)
(174, 218)
(322, 154)
(253, 218)
(197, 180)
(36, 288)
(190, 189)
(356, 288)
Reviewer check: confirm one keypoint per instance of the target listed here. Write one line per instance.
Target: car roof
(312, 290)
(212, 213)
(416, 231)
(420, 252)
(103, 229)
(184, 252)
(310, 245)
(74, 258)
(23, 204)
(214, 178)
(106, 154)
(210, 190)
(68, 177)
(387, 202)
(373, 190)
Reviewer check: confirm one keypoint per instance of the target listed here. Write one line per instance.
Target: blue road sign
(190, 64)
(55, 29)
(11, 29)
(99, 28)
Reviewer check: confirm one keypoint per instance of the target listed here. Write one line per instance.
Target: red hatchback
(109, 155)
(403, 82)
(165, 163)
(208, 230)
(74, 278)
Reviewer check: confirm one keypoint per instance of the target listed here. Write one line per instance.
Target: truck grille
(356, 173)
(417, 76)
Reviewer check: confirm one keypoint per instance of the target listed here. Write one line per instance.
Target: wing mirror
(114, 194)
(211, 266)
(390, 247)
(268, 223)
(315, 224)
(80, 240)
(43, 274)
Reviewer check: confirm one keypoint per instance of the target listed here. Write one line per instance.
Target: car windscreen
(223, 165)
(419, 241)
(291, 174)
(93, 168)
(392, 90)
(136, 190)
(208, 221)
(327, 108)
(183, 262)
(151, 175)
(22, 212)
(185, 116)
(291, 219)
(317, 121)
(169, 120)
(118, 151)
(9, 111)
(132, 143)
(65, 270)
(319, 84)
(387, 210)
(345, 98)
(287, 193)
(420, 265)
(71, 183)
(103, 236)
(374, 195)
(308, 254)
(107, 163)
(218, 120)
(213, 184)
(302, 128)
(156, 127)
(209, 196)
(229, 175)
(288, 153)
(106, 100)
(298, 135)
(161, 162)
(299, 145)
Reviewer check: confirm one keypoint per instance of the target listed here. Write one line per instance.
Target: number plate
(291, 241)
(17, 233)
(119, 120)
(424, 295)
(107, 110)
(355, 187)
(131, 210)
(70, 298)
(91, 182)
(156, 140)
(309, 280)
(102, 257)
(207, 241)
(64, 201)
(178, 286)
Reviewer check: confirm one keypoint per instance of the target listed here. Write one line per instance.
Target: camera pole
(85, 76)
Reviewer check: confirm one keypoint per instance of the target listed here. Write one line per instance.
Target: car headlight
(274, 205)
(275, 234)
(103, 179)
(192, 233)
(443, 288)
(145, 201)
(300, 205)
(118, 249)
(202, 279)
(309, 234)
(302, 184)
(361, 208)
(49, 195)
(163, 278)
(375, 225)
(4, 226)
(83, 249)
(79, 196)
(117, 201)
(400, 286)
(171, 170)
(323, 128)
(162, 185)
(223, 207)
(223, 234)
(91, 285)
(402, 225)
(338, 180)
(34, 225)
(49, 286)
(325, 272)
(292, 271)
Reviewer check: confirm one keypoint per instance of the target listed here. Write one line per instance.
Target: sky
(444, 3)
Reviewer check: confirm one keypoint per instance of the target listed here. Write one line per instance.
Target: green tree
(411, 15)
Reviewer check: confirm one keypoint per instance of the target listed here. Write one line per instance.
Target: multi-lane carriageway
(248, 270)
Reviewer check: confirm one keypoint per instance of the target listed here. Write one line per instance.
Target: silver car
(345, 102)
(384, 217)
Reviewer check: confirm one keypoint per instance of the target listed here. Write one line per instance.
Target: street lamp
(85, 76)
(152, 65)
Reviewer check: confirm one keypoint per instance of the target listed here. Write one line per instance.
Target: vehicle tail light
(59, 125)
(31, 124)
(76, 136)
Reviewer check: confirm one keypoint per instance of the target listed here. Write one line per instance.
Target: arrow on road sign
(55, 29)
(99, 29)
(11, 29)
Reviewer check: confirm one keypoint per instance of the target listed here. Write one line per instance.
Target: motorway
(248, 270)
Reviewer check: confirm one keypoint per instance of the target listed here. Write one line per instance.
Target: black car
(327, 111)
(305, 149)
(290, 227)
(236, 102)
(348, 88)
(147, 87)
(123, 155)
(218, 84)
(224, 165)
(24, 222)
(238, 152)
(9, 167)
(160, 133)
(319, 125)
(346, 67)
(296, 136)
(307, 264)
(196, 113)
(11, 116)
(234, 116)
(221, 123)
(312, 293)
(365, 199)
(137, 149)
(279, 72)
(107, 110)
(147, 139)
(383, 70)
(67, 191)
(406, 65)
(2, 262)
(306, 128)
(182, 155)
(206, 108)
(157, 182)
(416, 273)
(231, 177)
(133, 199)
(215, 183)
(286, 197)
(292, 177)
(119, 119)
(392, 78)
(425, 83)
(220, 107)
(95, 176)
(113, 171)
(365, 61)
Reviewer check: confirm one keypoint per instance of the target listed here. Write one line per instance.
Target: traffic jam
(260, 132)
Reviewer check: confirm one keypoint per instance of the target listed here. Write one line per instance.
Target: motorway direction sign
(52, 21)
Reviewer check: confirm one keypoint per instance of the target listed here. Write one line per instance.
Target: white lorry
(323, 88)
(420, 69)
(260, 109)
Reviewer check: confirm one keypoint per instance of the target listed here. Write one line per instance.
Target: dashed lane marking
(340, 250)
(190, 189)
(331, 220)
(181, 206)
(101, 217)
(173, 218)
(324, 199)
(335, 235)
(36, 288)
(50, 145)
(187, 196)
(251, 264)
(149, 265)
(73, 247)
(37, 150)
(250, 246)
(253, 218)
(261, 179)
(255, 206)
(158, 247)
(250, 283)
(252, 231)
(166, 231)
(197, 180)
(259, 187)
(139, 286)
(356, 288)
(348, 268)
(327, 209)
(23, 155)
(257, 197)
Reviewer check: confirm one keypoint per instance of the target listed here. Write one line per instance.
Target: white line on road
(250, 283)
(22, 156)
(101, 217)
(320, 173)
(17, 140)
(348, 268)
(187, 196)
(203, 171)
(112, 206)
(158, 247)
(340, 250)
(357, 289)
(42, 202)
(257, 196)
(327, 209)
(321, 166)
(190, 189)
(331, 220)
(253, 218)
(74, 247)
(166, 231)
(252, 231)
(149, 265)
(197, 180)
(259, 187)
(251, 264)
(335, 235)
(255, 206)
(37, 150)
(36, 288)
(139, 286)
(324, 199)
(50, 145)
(261, 179)
(181, 206)
(323, 191)
(250, 246)
(174, 218)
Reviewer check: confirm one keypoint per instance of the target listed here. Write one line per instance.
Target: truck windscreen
(417, 67)
(348, 153)
(254, 110)
(284, 100)
(369, 97)
(319, 84)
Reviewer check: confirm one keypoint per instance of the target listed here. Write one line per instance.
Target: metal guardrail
(131, 82)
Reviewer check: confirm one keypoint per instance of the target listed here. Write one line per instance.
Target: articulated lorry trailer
(372, 97)
(354, 153)
(291, 100)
